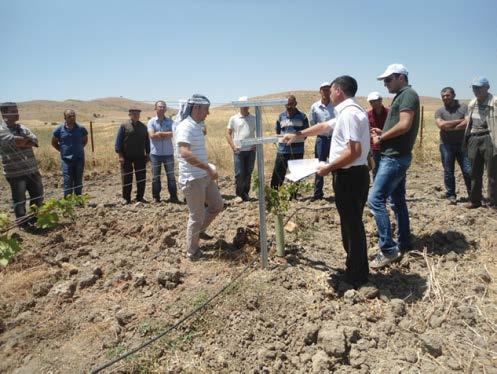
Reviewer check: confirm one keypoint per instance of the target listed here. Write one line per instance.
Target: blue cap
(480, 82)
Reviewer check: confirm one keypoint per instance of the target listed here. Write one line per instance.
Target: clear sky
(150, 49)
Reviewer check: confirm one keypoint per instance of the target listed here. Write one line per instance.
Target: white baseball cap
(375, 95)
(325, 84)
(393, 69)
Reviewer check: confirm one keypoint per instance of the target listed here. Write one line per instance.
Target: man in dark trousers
(19, 163)
(450, 121)
(289, 122)
(70, 139)
(349, 149)
(133, 148)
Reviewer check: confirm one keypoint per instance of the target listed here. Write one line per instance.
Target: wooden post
(422, 125)
(92, 143)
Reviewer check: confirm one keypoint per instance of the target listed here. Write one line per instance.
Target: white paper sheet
(299, 169)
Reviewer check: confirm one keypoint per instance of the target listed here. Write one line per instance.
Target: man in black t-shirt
(450, 121)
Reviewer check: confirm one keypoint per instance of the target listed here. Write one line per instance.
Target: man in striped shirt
(289, 122)
(19, 162)
(196, 176)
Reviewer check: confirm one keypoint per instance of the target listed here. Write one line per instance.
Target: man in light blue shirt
(321, 111)
(160, 131)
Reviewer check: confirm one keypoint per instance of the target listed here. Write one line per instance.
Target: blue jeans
(73, 176)
(168, 162)
(376, 158)
(244, 166)
(321, 151)
(390, 182)
(450, 153)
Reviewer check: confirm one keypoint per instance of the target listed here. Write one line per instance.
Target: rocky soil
(88, 291)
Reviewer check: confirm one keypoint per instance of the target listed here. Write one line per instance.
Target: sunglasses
(389, 79)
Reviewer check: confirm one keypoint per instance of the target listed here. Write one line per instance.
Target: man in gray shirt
(450, 121)
(19, 162)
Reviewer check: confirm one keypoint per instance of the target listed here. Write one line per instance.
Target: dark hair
(405, 76)
(4, 107)
(347, 84)
(445, 89)
(159, 101)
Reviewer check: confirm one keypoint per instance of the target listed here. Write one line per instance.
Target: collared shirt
(160, 147)
(16, 162)
(243, 127)
(405, 100)
(290, 125)
(377, 121)
(321, 113)
(71, 141)
(351, 124)
(132, 140)
(190, 132)
(452, 113)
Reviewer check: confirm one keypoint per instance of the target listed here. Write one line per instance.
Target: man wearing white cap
(376, 116)
(321, 111)
(242, 126)
(396, 141)
(481, 142)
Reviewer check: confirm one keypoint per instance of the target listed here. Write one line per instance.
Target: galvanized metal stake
(262, 192)
(259, 142)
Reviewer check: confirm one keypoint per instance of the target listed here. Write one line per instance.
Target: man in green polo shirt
(396, 141)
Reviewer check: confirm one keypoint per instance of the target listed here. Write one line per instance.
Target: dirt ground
(89, 290)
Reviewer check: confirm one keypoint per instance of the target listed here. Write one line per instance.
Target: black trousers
(351, 192)
(136, 165)
(280, 167)
(481, 155)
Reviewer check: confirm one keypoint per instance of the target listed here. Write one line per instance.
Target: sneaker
(157, 200)
(452, 200)
(238, 200)
(195, 256)
(142, 200)
(204, 236)
(125, 202)
(381, 260)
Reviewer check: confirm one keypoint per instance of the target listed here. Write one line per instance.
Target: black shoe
(204, 236)
(174, 200)
(316, 198)
(157, 200)
(142, 200)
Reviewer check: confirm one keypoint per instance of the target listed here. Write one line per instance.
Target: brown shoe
(471, 205)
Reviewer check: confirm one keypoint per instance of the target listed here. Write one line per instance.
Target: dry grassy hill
(116, 108)
(107, 109)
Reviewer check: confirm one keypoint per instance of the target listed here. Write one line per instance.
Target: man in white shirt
(321, 111)
(196, 176)
(350, 144)
(242, 126)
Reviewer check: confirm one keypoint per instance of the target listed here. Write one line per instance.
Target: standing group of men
(347, 137)
(21, 167)
(136, 144)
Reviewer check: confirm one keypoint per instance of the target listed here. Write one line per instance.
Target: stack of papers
(299, 169)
